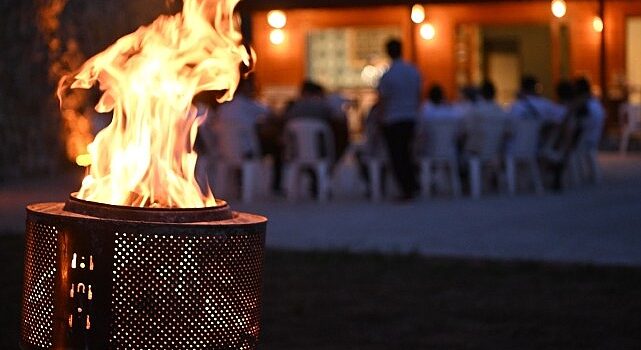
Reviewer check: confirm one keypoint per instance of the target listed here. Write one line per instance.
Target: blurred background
(338, 44)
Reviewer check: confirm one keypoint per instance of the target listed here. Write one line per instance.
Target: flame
(149, 78)
(64, 57)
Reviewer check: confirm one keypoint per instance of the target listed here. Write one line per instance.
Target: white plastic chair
(524, 148)
(303, 137)
(489, 155)
(630, 120)
(437, 147)
(232, 156)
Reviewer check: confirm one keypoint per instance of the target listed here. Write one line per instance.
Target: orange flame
(66, 56)
(145, 157)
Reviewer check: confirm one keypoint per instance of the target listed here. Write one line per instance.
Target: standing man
(399, 94)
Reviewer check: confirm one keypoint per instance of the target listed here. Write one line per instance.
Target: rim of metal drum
(219, 212)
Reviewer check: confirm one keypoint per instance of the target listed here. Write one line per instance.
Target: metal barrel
(93, 281)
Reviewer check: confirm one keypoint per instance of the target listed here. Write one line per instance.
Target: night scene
(315, 175)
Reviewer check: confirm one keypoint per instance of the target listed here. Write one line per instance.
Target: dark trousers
(399, 138)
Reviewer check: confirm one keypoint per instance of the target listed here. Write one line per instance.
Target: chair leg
(510, 175)
(454, 178)
(426, 177)
(535, 174)
(475, 177)
(374, 168)
(248, 171)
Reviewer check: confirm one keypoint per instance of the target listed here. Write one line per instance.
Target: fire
(65, 56)
(149, 78)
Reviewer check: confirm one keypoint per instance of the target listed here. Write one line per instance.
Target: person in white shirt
(484, 110)
(469, 96)
(592, 122)
(239, 119)
(530, 104)
(399, 93)
(434, 110)
(436, 107)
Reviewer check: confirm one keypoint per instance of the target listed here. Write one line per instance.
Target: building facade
(468, 41)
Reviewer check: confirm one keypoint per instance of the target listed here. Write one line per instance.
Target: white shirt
(238, 118)
(537, 107)
(593, 124)
(480, 113)
(431, 111)
(399, 89)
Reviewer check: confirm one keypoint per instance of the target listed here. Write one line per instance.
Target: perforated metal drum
(104, 277)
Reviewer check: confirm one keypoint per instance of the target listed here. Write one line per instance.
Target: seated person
(592, 123)
(239, 118)
(338, 123)
(436, 107)
(311, 104)
(485, 110)
(530, 104)
(433, 111)
(469, 96)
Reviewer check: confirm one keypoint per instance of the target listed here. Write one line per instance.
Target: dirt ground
(340, 300)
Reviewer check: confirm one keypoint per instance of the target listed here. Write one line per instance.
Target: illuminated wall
(284, 64)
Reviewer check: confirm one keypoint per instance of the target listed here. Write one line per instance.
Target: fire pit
(143, 256)
(100, 276)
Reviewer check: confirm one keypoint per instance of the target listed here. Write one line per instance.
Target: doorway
(503, 54)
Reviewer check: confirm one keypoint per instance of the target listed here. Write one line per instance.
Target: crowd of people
(244, 129)
(395, 128)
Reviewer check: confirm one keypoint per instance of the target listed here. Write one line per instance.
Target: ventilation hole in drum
(176, 291)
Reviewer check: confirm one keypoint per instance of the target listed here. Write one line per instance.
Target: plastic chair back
(308, 140)
(236, 144)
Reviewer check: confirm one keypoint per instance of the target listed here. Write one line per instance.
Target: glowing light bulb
(597, 24)
(277, 36)
(276, 19)
(559, 8)
(427, 31)
(418, 14)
